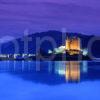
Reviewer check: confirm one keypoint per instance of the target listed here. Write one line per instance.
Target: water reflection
(72, 70)
(52, 73)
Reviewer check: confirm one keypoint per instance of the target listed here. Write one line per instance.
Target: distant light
(60, 49)
(49, 51)
(85, 52)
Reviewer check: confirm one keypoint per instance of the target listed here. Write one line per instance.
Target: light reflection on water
(52, 73)
(58, 80)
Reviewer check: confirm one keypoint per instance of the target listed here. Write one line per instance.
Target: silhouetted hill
(53, 36)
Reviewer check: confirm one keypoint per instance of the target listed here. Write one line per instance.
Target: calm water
(58, 80)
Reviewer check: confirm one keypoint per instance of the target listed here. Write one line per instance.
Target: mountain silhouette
(44, 40)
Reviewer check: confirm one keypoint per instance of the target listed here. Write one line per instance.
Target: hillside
(58, 37)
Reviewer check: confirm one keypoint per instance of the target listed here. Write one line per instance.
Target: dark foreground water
(27, 80)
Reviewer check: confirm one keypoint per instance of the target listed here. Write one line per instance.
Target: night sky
(42, 15)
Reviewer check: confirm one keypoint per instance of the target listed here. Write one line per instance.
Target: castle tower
(73, 45)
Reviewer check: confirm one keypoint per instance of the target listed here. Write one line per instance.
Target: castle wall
(73, 44)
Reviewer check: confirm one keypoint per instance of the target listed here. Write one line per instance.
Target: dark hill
(58, 37)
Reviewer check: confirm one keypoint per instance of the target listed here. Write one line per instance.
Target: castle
(73, 45)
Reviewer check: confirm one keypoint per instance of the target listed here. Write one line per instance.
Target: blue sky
(42, 15)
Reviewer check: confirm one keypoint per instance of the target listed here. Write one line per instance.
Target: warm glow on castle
(73, 45)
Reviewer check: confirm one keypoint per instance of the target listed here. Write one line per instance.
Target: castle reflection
(52, 73)
(72, 70)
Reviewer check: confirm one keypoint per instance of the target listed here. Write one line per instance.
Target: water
(29, 80)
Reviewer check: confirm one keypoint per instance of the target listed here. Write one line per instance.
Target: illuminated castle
(73, 45)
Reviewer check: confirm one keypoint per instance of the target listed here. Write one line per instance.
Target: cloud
(76, 16)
